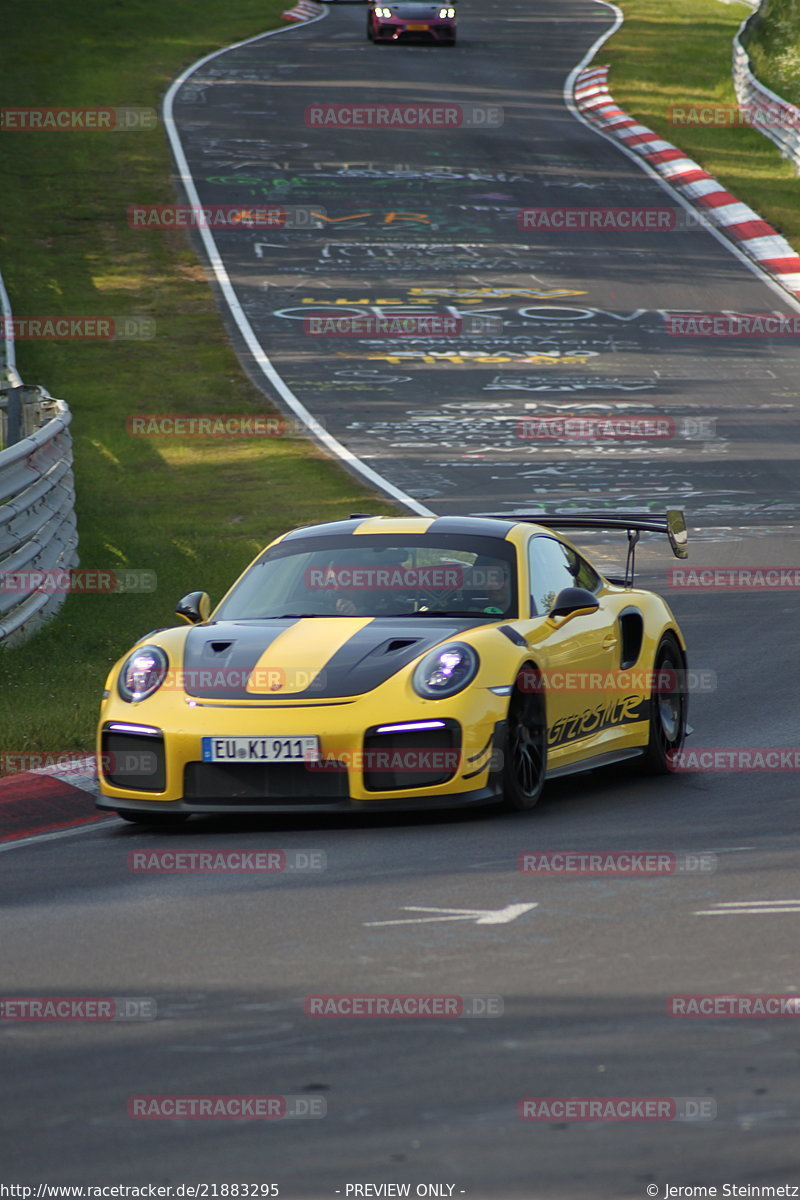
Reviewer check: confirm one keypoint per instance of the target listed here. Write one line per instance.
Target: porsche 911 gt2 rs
(380, 662)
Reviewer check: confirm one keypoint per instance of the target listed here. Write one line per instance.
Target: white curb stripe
(703, 187)
(734, 214)
(773, 246)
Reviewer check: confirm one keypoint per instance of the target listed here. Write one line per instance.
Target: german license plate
(417, 27)
(260, 749)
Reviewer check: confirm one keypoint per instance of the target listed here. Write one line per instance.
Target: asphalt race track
(428, 222)
(584, 975)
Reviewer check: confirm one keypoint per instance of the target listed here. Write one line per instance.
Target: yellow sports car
(379, 663)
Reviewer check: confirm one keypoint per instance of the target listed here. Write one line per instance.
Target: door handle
(609, 640)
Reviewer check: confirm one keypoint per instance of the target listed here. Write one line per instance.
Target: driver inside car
(488, 586)
(372, 601)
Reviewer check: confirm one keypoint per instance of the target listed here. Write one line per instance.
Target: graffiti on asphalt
(576, 383)
(461, 357)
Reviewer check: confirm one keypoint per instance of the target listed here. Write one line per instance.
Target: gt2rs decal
(624, 711)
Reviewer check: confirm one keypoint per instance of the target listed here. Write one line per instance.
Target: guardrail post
(14, 416)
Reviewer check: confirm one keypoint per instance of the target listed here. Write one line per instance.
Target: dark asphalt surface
(427, 222)
(586, 974)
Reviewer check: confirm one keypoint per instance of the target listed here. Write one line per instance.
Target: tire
(525, 745)
(668, 709)
(146, 818)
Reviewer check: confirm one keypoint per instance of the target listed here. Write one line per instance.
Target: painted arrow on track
(732, 908)
(481, 916)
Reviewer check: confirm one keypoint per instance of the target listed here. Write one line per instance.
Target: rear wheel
(668, 707)
(525, 747)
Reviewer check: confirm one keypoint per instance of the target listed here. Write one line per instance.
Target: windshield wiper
(449, 612)
(284, 616)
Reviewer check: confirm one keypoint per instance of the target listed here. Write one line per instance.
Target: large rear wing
(672, 523)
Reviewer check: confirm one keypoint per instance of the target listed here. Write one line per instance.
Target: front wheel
(525, 745)
(668, 707)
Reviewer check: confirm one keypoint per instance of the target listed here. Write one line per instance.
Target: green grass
(193, 511)
(679, 54)
(774, 48)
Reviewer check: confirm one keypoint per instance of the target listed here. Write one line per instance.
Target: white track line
(698, 214)
(58, 833)
(330, 443)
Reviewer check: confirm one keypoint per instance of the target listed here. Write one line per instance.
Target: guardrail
(38, 531)
(770, 114)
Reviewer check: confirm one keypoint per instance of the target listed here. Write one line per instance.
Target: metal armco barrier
(771, 115)
(37, 495)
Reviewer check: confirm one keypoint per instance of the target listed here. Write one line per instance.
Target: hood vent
(400, 644)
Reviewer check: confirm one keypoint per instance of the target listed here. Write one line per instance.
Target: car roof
(400, 526)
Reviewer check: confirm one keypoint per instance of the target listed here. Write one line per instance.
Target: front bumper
(359, 770)
(474, 799)
(387, 32)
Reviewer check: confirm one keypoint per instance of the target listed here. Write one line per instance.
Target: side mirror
(194, 607)
(573, 599)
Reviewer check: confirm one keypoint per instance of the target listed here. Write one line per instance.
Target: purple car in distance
(411, 20)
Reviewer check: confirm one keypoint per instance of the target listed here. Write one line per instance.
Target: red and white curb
(304, 10)
(752, 235)
(47, 801)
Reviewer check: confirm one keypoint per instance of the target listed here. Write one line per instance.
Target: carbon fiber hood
(231, 660)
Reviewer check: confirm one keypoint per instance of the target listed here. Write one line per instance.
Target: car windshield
(378, 576)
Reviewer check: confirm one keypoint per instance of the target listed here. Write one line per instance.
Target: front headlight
(446, 670)
(142, 673)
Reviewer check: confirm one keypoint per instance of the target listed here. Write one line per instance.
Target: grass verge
(194, 511)
(680, 54)
(774, 48)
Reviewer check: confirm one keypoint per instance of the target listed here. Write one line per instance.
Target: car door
(578, 655)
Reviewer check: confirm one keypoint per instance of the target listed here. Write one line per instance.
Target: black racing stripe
(367, 660)
(222, 673)
(329, 529)
(471, 526)
(364, 662)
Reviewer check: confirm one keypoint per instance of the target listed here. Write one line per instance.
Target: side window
(551, 569)
(584, 575)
